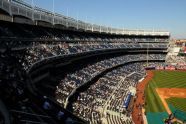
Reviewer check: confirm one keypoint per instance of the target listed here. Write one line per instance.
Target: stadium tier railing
(15, 7)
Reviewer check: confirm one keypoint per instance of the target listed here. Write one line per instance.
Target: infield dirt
(165, 93)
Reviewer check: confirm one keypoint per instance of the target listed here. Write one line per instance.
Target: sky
(165, 15)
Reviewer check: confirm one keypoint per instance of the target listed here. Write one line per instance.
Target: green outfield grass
(162, 79)
(178, 103)
(169, 79)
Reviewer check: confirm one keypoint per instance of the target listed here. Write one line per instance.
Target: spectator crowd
(86, 105)
(105, 98)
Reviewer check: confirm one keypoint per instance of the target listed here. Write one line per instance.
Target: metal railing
(35, 13)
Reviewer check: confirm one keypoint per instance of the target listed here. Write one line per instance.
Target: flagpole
(32, 9)
(53, 12)
(77, 20)
(148, 55)
(67, 19)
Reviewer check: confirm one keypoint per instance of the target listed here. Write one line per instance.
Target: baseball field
(165, 93)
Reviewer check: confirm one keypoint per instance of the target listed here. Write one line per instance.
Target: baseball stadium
(57, 69)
